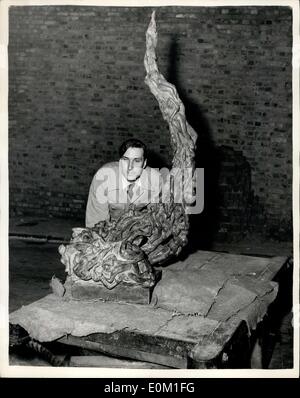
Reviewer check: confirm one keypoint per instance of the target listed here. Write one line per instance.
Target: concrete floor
(34, 259)
(31, 267)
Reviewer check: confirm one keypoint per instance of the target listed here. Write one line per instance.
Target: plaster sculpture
(124, 251)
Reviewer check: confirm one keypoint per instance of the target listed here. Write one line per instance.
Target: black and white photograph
(150, 198)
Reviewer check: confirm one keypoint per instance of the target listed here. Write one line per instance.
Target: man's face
(132, 163)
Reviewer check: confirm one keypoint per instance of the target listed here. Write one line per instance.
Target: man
(121, 185)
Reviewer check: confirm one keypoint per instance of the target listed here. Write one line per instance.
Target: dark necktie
(130, 192)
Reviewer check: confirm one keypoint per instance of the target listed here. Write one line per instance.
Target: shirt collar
(125, 183)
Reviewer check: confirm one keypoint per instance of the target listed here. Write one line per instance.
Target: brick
(76, 91)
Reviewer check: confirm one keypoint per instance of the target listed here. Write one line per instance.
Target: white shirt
(108, 192)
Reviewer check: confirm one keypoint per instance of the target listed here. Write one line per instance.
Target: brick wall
(76, 91)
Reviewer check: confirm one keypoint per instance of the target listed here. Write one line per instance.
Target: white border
(24, 371)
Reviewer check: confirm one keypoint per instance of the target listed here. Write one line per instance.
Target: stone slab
(82, 290)
(188, 291)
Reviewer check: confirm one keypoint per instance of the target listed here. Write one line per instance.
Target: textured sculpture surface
(123, 251)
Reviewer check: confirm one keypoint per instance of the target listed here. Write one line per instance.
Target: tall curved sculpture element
(183, 136)
(124, 251)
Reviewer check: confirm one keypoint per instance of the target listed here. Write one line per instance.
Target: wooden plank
(102, 361)
(202, 355)
(210, 347)
(120, 351)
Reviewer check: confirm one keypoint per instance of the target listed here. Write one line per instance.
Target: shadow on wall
(204, 226)
(227, 179)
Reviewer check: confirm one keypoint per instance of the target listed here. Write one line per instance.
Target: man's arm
(97, 205)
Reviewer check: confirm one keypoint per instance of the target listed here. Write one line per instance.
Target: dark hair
(132, 143)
